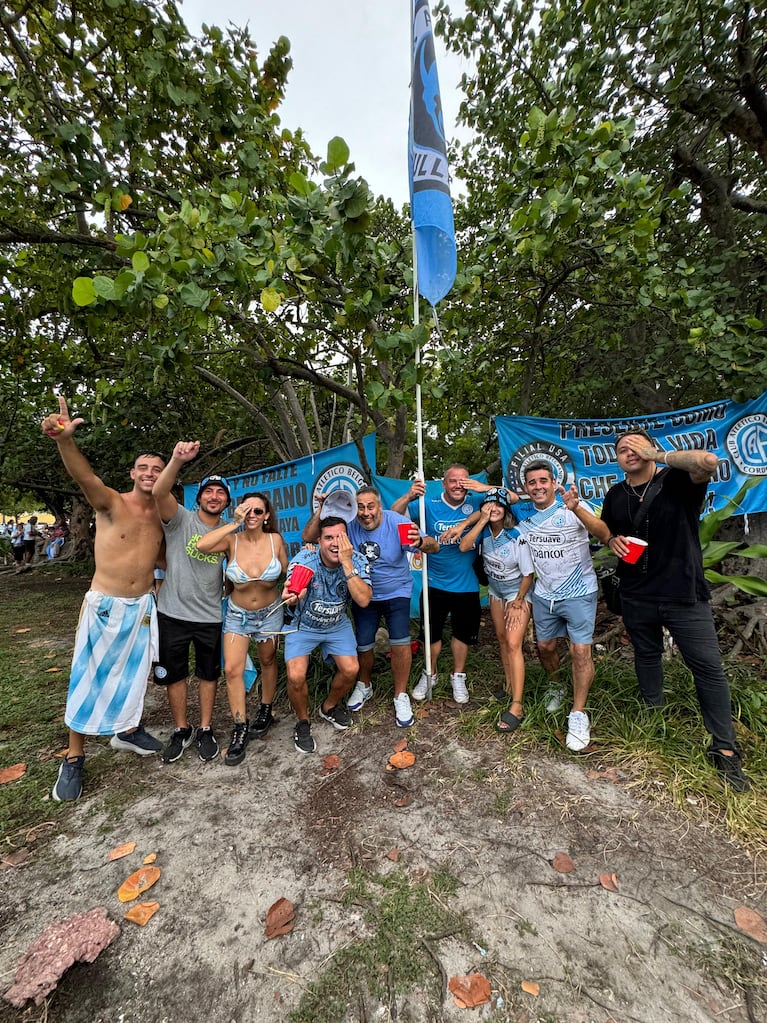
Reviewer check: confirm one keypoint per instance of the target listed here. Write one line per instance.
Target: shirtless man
(116, 639)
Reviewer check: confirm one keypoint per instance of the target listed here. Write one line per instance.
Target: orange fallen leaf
(331, 762)
(150, 858)
(563, 863)
(280, 918)
(402, 760)
(121, 850)
(49, 670)
(531, 987)
(609, 881)
(19, 631)
(140, 881)
(142, 913)
(399, 746)
(751, 923)
(422, 712)
(470, 991)
(393, 855)
(12, 773)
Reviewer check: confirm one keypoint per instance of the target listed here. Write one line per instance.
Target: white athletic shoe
(555, 697)
(578, 731)
(403, 712)
(359, 696)
(424, 686)
(458, 682)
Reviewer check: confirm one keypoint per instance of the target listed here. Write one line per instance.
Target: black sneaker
(337, 717)
(181, 739)
(69, 784)
(302, 738)
(236, 752)
(730, 770)
(207, 746)
(263, 722)
(140, 742)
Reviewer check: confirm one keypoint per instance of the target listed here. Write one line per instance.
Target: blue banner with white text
(293, 487)
(582, 451)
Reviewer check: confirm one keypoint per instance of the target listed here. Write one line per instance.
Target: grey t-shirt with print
(193, 581)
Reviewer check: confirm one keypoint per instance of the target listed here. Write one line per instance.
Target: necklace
(638, 494)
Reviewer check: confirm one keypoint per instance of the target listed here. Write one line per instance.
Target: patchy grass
(403, 917)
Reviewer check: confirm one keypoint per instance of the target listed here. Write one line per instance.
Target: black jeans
(693, 631)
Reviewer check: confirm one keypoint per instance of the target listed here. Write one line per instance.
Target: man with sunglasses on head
(116, 638)
(189, 603)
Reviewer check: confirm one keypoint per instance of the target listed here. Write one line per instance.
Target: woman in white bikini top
(256, 560)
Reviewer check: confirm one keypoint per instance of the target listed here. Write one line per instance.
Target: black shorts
(464, 610)
(176, 636)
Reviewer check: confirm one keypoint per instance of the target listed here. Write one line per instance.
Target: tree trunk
(80, 529)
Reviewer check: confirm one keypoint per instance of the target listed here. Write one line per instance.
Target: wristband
(419, 545)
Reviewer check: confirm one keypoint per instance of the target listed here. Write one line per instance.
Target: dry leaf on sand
(399, 746)
(609, 881)
(142, 913)
(121, 850)
(150, 858)
(280, 918)
(331, 762)
(751, 923)
(393, 855)
(470, 991)
(402, 760)
(563, 863)
(531, 987)
(12, 773)
(16, 858)
(140, 881)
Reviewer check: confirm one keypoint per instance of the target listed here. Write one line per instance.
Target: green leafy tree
(616, 211)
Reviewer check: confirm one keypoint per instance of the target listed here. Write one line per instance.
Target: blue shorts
(396, 613)
(261, 624)
(336, 641)
(573, 618)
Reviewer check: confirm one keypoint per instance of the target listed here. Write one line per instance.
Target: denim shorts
(336, 641)
(573, 618)
(260, 624)
(395, 612)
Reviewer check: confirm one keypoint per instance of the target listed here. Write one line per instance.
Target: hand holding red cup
(636, 549)
(406, 531)
(300, 578)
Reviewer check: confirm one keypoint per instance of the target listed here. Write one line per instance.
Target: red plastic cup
(404, 532)
(300, 578)
(636, 549)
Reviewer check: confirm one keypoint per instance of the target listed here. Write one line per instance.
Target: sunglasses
(257, 511)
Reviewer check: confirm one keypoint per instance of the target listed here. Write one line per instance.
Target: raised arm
(701, 465)
(162, 491)
(417, 488)
(217, 540)
(478, 520)
(60, 428)
(592, 522)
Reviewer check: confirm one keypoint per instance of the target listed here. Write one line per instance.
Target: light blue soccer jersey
(328, 594)
(450, 569)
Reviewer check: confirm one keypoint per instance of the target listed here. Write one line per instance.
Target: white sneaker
(555, 697)
(423, 687)
(359, 696)
(578, 731)
(403, 712)
(458, 682)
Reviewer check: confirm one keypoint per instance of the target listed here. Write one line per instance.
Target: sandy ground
(492, 811)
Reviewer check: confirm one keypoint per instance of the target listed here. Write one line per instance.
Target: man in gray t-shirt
(189, 603)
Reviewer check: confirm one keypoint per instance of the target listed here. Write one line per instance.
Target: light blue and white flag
(430, 205)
